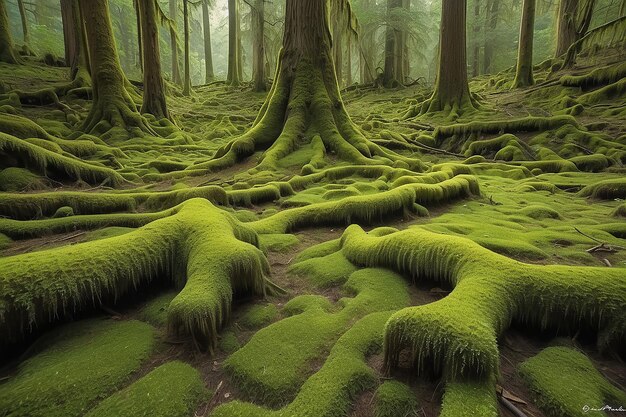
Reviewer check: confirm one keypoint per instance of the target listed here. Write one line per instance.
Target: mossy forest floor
(499, 270)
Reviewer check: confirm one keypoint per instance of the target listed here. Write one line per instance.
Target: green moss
(393, 399)
(469, 399)
(277, 242)
(4, 241)
(228, 342)
(81, 363)
(620, 211)
(63, 212)
(591, 163)
(606, 189)
(528, 124)
(155, 310)
(258, 316)
(174, 389)
(537, 211)
(19, 179)
(107, 232)
(324, 271)
(564, 381)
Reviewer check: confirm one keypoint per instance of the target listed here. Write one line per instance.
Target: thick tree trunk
(154, 101)
(113, 106)
(476, 56)
(349, 60)
(7, 54)
(174, 43)
(566, 26)
(208, 54)
(451, 89)
(491, 23)
(524, 74)
(76, 53)
(304, 104)
(259, 81)
(187, 79)
(393, 46)
(234, 64)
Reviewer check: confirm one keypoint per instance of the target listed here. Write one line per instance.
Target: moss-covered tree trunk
(566, 26)
(337, 47)
(259, 82)
(187, 77)
(476, 54)
(491, 23)
(112, 104)
(234, 63)
(393, 52)
(154, 101)
(140, 45)
(349, 60)
(174, 43)
(366, 49)
(524, 73)
(304, 105)
(23, 17)
(451, 89)
(209, 75)
(7, 54)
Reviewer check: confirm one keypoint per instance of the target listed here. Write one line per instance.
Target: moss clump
(228, 342)
(258, 316)
(528, 124)
(620, 211)
(565, 383)
(107, 232)
(539, 211)
(19, 179)
(324, 271)
(591, 163)
(174, 389)
(155, 310)
(393, 399)
(277, 242)
(82, 363)
(64, 211)
(4, 241)
(606, 189)
(470, 399)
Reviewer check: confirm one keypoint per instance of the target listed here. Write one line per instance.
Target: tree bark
(451, 89)
(524, 74)
(337, 48)
(234, 63)
(259, 80)
(349, 60)
(393, 47)
(566, 26)
(76, 53)
(491, 23)
(365, 48)
(7, 53)
(304, 104)
(113, 106)
(208, 54)
(174, 43)
(140, 45)
(25, 35)
(154, 101)
(476, 56)
(187, 79)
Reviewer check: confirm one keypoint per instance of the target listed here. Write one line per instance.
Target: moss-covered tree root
(202, 247)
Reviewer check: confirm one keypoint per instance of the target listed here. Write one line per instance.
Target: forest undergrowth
(425, 264)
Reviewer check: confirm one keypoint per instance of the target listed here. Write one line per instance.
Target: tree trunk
(349, 60)
(476, 56)
(234, 55)
(25, 36)
(491, 23)
(174, 43)
(304, 104)
(113, 106)
(187, 79)
(566, 26)
(524, 74)
(393, 46)
(76, 53)
(7, 53)
(258, 55)
(451, 89)
(365, 48)
(154, 101)
(139, 37)
(337, 48)
(208, 54)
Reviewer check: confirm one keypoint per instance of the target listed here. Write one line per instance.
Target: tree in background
(477, 28)
(76, 53)
(234, 44)
(491, 23)
(208, 54)
(574, 18)
(173, 5)
(451, 93)
(524, 72)
(7, 53)
(113, 105)
(187, 76)
(154, 101)
(395, 43)
(259, 79)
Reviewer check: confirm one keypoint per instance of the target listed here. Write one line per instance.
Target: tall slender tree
(524, 73)
(259, 80)
(176, 78)
(234, 54)
(491, 23)
(23, 17)
(113, 105)
(140, 45)
(393, 72)
(209, 75)
(187, 77)
(7, 53)
(476, 54)
(451, 89)
(154, 100)
(76, 53)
